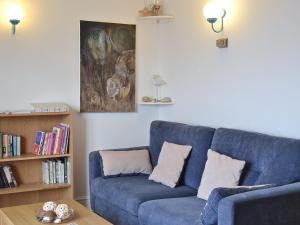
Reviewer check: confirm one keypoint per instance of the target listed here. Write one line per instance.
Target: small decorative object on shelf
(52, 143)
(156, 8)
(55, 213)
(7, 178)
(166, 100)
(147, 99)
(152, 8)
(157, 82)
(50, 107)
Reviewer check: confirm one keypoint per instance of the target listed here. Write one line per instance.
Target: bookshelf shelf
(31, 156)
(27, 168)
(158, 19)
(157, 103)
(33, 114)
(22, 188)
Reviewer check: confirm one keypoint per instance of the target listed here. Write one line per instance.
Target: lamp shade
(14, 12)
(213, 10)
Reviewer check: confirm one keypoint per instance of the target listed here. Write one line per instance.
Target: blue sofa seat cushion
(129, 192)
(209, 215)
(174, 211)
(270, 160)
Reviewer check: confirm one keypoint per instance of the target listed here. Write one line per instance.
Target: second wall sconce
(14, 14)
(212, 11)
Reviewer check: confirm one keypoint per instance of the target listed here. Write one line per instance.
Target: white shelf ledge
(158, 19)
(156, 103)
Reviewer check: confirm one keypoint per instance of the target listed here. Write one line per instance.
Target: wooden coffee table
(25, 215)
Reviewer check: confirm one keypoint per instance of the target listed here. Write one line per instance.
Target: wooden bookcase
(28, 167)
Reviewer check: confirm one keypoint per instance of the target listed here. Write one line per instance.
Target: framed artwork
(107, 67)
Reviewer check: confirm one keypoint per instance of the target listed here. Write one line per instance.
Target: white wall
(253, 85)
(41, 64)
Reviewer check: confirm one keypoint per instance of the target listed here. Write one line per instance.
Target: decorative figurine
(147, 99)
(158, 82)
(156, 7)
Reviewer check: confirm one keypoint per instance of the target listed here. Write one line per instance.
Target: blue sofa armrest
(95, 161)
(271, 206)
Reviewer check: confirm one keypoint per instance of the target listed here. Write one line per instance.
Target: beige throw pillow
(126, 162)
(170, 164)
(220, 171)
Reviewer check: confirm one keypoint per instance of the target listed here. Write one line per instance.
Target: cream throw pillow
(170, 164)
(220, 171)
(126, 162)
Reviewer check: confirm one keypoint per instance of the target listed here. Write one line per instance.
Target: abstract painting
(107, 67)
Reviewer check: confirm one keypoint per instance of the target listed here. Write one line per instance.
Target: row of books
(56, 171)
(52, 143)
(7, 178)
(10, 145)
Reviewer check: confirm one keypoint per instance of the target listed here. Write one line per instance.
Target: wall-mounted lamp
(14, 14)
(212, 11)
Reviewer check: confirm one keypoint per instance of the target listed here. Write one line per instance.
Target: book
(9, 176)
(11, 154)
(68, 172)
(7, 145)
(1, 146)
(2, 183)
(65, 138)
(18, 145)
(3, 177)
(37, 143)
(51, 145)
(45, 172)
(57, 137)
(15, 146)
(65, 170)
(45, 144)
(4, 147)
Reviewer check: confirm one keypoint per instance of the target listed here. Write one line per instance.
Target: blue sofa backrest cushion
(270, 160)
(197, 136)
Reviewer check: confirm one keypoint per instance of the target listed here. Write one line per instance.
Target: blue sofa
(134, 200)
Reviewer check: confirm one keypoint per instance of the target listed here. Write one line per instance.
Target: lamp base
(212, 20)
(14, 24)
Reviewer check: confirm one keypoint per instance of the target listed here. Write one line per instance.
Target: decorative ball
(57, 220)
(62, 211)
(49, 217)
(49, 206)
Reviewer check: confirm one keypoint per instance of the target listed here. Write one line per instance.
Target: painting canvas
(107, 58)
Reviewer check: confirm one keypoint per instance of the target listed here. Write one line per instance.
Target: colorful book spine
(18, 145)
(15, 146)
(65, 137)
(51, 143)
(10, 146)
(57, 139)
(4, 147)
(37, 143)
(3, 178)
(1, 146)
